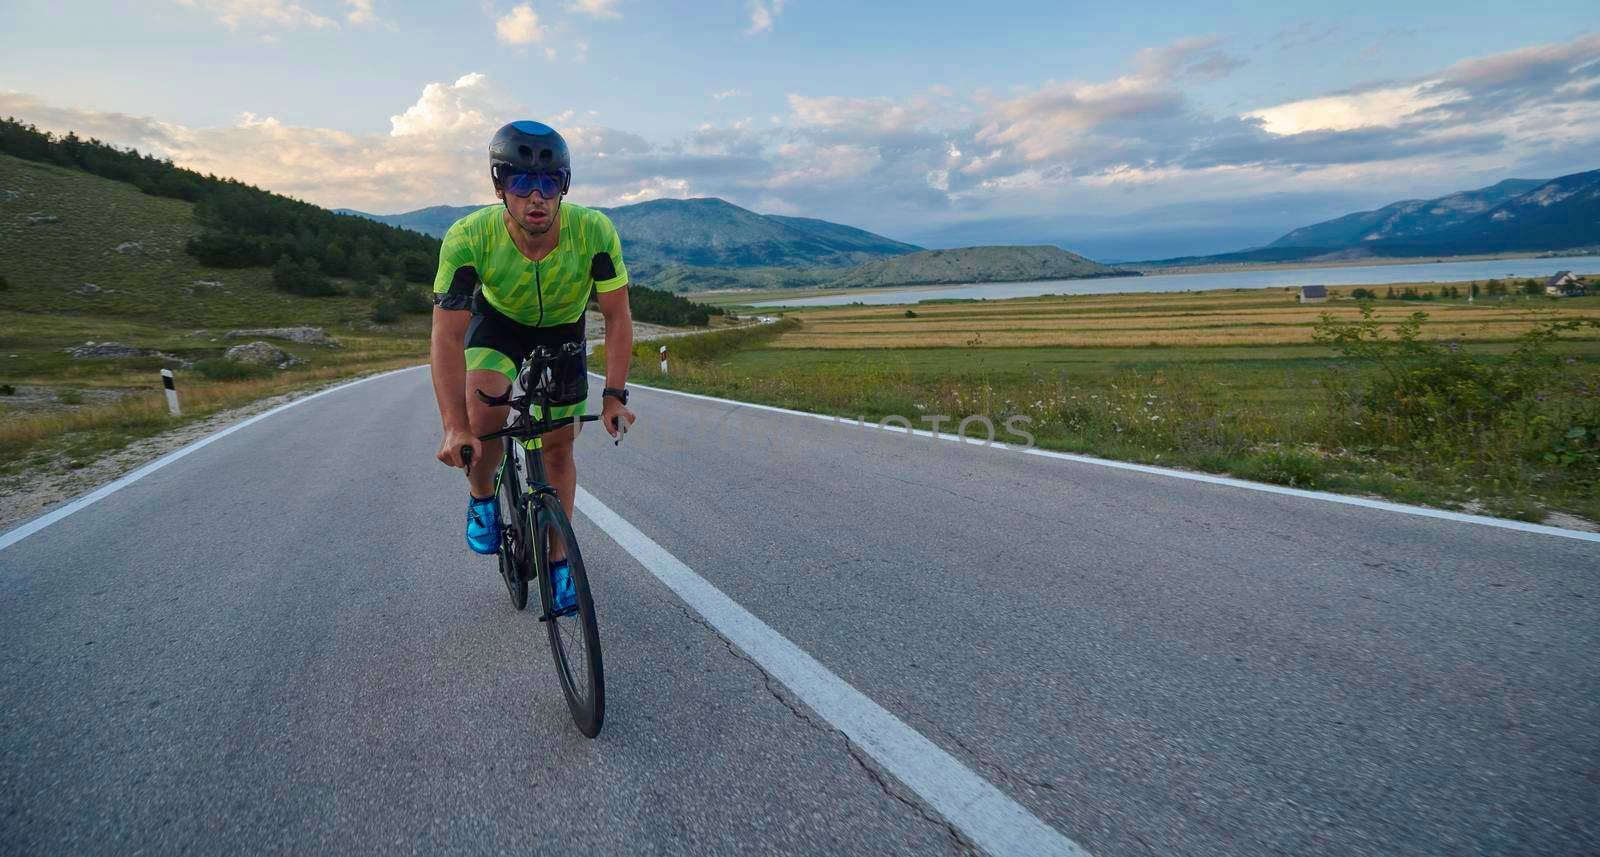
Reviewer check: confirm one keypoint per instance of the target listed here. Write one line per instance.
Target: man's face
(533, 213)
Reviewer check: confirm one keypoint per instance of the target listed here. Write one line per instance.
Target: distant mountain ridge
(1516, 215)
(994, 264)
(705, 232)
(1407, 219)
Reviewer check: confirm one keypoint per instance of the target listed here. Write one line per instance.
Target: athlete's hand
(454, 439)
(611, 411)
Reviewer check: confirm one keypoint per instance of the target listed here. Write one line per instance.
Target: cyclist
(513, 276)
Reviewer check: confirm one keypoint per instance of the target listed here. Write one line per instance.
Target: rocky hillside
(976, 265)
(1560, 214)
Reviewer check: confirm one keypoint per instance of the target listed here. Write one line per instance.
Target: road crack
(856, 754)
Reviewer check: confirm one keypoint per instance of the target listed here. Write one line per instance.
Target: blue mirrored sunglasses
(522, 184)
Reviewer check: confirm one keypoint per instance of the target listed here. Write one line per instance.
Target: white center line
(993, 821)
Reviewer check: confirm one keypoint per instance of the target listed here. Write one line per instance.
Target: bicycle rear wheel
(515, 538)
(574, 634)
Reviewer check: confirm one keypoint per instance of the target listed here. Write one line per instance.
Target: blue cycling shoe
(561, 582)
(483, 525)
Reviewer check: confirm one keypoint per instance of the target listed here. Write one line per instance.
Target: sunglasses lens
(523, 184)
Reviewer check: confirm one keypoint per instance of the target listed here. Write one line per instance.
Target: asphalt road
(279, 643)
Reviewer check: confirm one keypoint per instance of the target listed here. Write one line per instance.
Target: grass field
(1239, 317)
(57, 411)
(1227, 382)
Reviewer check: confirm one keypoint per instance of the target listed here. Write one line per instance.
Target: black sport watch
(621, 395)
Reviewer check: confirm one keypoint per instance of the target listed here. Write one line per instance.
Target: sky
(1120, 130)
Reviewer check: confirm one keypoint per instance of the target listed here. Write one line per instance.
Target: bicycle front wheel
(515, 569)
(574, 634)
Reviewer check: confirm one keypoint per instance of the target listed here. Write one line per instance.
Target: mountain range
(708, 242)
(1515, 215)
(974, 265)
(704, 232)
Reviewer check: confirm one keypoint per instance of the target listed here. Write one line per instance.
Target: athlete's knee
(485, 419)
(558, 444)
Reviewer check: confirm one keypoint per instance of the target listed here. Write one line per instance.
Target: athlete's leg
(485, 419)
(563, 474)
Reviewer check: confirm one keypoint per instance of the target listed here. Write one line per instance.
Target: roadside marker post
(172, 391)
(663, 359)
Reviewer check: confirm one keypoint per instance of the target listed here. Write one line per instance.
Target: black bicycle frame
(524, 427)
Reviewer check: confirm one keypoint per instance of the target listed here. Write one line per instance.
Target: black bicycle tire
(588, 710)
(511, 486)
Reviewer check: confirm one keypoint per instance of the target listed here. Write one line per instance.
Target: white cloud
(445, 109)
(655, 187)
(361, 12)
(862, 116)
(597, 8)
(1374, 108)
(520, 26)
(762, 14)
(1100, 146)
(235, 14)
(726, 93)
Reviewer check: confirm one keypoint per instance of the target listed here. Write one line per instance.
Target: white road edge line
(106, 490)
(993, 821)
(1325, 496)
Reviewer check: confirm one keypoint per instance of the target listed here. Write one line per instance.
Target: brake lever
(622, 430)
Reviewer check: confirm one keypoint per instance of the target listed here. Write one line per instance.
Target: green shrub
(658, 307)
(386, 312)
(910, 314)
(5, 285)
(1292, 467)
(1363, 294)
(411, 299)
(7, 390)
(1484, 415)
(221, 369)
(70, 397)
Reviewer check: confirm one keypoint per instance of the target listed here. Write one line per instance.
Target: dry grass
(73, 436)
(1233, 317)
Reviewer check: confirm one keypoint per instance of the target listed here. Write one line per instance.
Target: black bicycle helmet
(526, 146)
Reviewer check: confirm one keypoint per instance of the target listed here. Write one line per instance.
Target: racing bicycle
(532, 521)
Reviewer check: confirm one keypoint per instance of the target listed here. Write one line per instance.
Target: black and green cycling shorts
(497, 343)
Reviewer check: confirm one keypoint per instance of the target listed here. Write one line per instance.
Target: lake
(1367, 275)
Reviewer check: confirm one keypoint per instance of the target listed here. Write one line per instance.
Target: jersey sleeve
(458, 272)
(607, 268)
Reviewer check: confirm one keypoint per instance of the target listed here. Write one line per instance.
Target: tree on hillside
(301, 278)
(241, 225)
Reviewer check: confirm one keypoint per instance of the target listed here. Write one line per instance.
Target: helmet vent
(525, 151)
(546, 155)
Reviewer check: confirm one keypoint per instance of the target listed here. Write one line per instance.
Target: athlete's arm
(453, 286)
(610, 277)
(619, 351)
(447, 351)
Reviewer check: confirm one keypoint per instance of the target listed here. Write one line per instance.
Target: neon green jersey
(551, 291)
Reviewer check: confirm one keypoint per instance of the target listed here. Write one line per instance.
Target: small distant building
(1564, 284)
(1313, 294)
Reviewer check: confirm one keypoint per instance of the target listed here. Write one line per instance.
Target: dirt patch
(33, 401)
